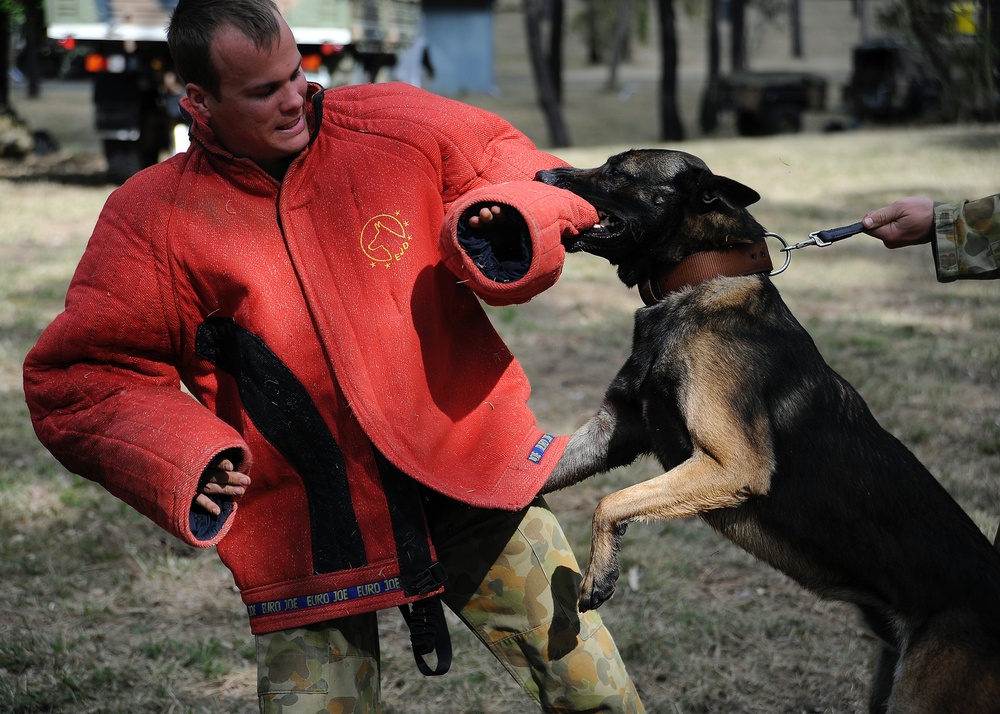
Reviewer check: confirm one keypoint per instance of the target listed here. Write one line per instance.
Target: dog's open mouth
(608, 227)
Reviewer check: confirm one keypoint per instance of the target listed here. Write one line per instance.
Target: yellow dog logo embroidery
(384, 239)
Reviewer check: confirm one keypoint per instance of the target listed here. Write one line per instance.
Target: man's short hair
(195, 24)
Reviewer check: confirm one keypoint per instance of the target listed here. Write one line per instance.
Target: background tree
(546, 62)
(620, 40)
(795, 26)
(962, 57)
(29, 15)
(708, 115)
(6, 10)
(591, 31)
(737, 37)
(34, 36)
(671, 128)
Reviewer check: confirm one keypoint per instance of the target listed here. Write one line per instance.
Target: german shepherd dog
(763, 440)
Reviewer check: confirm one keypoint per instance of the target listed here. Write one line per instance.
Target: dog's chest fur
(728, 336)
(731, 345)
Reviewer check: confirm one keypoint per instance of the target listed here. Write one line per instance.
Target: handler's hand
(501, 225)
(493, 216)
(907, 221)
(221, 479)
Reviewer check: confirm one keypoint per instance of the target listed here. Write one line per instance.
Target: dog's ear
(735, 195)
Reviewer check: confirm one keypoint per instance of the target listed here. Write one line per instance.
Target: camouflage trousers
(512, 579)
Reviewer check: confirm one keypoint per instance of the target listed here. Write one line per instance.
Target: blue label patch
(304, 602)
(539, 449)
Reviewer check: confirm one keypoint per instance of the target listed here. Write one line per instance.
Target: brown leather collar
(742, 259)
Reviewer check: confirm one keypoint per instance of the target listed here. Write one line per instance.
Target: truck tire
(782, 119)
(748, 123)
(777, 119)
(125, 158)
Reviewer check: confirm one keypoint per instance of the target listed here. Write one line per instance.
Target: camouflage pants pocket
(320, 669)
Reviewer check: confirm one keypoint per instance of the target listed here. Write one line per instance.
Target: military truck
(768, 103)
(136, 88)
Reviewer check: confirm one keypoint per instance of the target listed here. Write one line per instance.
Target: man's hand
(492, 218)
(502, 227)
(907, 221)
(221, 479)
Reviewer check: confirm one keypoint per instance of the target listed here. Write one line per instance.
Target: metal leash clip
(824, 238)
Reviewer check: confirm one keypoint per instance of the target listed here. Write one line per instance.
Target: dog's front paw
(597, 589)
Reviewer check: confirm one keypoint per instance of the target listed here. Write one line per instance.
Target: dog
(766, 442)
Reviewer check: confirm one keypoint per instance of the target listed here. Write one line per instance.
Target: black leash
(817, 238)
(825, 238)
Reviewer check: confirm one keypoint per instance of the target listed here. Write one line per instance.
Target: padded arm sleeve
(104, 394)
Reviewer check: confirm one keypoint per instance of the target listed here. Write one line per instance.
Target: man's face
(260, 112)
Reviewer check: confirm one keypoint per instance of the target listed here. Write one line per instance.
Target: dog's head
(657, 207)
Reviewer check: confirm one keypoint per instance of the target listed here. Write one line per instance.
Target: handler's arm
(966, 239)
(104, 392)
(964, 236)
(487, 163)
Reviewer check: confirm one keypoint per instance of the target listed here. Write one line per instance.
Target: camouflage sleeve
(967, 239)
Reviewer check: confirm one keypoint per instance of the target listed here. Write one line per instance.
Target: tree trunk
(34, 36)
(861, 10)
(795, 24)
(4, 59)
(594, 55)
(623, 27)
(710, 100)
(671, 128)
(557, 12)
(541, 66)
(737, 39)
(992, 15)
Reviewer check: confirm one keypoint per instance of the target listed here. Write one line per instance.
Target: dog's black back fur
(846, 509)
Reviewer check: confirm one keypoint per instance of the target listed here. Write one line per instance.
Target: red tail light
(95, 63)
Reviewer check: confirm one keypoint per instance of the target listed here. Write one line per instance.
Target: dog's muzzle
(546, 177)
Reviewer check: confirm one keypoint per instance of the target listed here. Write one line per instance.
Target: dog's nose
(548, 177)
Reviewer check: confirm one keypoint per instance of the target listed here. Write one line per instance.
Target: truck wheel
(782, 119)
(124, 159)
(748, 124)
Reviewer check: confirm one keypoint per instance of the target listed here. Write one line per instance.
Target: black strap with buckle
(428, 633)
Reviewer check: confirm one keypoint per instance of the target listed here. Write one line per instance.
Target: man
(308, 271)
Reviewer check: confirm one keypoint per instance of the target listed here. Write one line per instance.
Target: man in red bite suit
(358, 436)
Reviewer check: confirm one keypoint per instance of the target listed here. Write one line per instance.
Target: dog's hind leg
(887, 659)
(698, 485)
(952, 666)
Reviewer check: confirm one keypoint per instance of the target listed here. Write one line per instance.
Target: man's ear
(198, 96)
